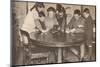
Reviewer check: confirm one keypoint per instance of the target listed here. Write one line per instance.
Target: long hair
(60, 8)
(37, 4)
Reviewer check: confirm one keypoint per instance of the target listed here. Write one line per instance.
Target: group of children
(53, 25)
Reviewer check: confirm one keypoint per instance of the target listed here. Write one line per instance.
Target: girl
(29, 25)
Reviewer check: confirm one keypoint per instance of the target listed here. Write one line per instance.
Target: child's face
(42, 18)
(51, 14)
(40, 9)
(76, 16)
(85, 15)
(61, 14)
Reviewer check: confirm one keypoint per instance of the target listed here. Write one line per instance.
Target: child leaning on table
(50, 21)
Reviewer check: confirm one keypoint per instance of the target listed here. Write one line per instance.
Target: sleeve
(63, 24)
(89, 31)
(38, 24)
(48, 24)
(70, 25)
(56, 22)
(35, 14)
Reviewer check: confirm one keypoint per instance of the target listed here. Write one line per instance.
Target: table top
(59, 44)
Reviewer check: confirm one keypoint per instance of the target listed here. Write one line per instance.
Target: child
(50, 21)
(77, 31)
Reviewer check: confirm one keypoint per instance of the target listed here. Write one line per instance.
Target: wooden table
(59, 46)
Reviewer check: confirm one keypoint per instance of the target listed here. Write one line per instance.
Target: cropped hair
(77, 11)
(51, 9)
(86, 10)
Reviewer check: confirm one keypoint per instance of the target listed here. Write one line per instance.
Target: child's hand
(36, 30)
(73, 30)
(44, 31)
(67, 31)
(79, 30)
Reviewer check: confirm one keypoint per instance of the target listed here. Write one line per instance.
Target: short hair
(86, 10)
(77, 11)
(51, 9)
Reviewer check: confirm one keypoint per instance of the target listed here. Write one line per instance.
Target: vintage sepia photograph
(52, 33)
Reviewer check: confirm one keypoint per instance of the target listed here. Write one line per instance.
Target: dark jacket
(89, 30)
(78, 25)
